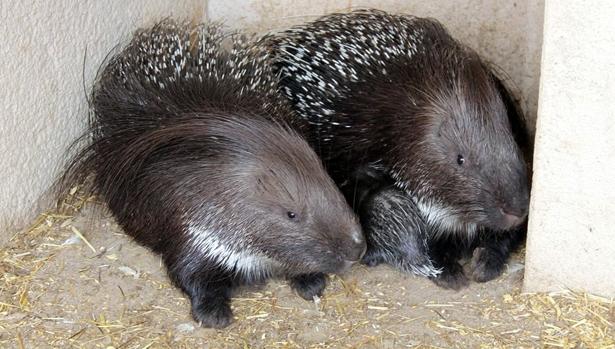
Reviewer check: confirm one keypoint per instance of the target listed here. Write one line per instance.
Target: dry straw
(34, 311)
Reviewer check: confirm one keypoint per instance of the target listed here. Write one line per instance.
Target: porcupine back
(349, 49)
(163, 75)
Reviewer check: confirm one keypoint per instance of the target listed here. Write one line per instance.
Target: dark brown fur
(192, 165)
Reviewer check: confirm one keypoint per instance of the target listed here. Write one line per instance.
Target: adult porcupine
(185, 153)
(397, 94)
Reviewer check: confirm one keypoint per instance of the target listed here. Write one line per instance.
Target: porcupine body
(397, 95)
(198, 162)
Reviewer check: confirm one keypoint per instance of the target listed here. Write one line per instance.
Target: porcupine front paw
(309, 286)
(212, 313)
(486, 265)
(451, 277)
(372, 258)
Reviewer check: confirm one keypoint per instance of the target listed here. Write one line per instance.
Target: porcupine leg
(209, 292)
(211, 303)
(445, 255)
(492, 253)
(309, 286)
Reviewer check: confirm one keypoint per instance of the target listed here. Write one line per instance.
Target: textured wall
(42, 98)
(507, 33)
(571, 241)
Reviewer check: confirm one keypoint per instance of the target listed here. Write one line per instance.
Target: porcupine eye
(460, 160)
(291, 215)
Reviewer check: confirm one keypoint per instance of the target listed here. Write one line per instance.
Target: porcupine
(197, 160)
(398, 96)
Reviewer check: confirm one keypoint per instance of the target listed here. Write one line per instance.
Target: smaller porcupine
(396, 94)
(393, 222)
(185, 151)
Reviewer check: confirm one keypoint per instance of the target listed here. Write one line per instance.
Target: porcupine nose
(515, 209)
(513, 216)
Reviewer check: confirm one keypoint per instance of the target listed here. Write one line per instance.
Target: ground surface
(57, 290)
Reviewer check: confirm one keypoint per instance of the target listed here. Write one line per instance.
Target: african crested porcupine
(396, 94)
(197, 161)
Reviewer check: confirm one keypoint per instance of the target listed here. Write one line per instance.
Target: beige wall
(571, 240)
(41, 95)
(508, 33)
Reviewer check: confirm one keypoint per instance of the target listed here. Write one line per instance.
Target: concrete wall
(508, 33)
(571, 240)
(41, 94)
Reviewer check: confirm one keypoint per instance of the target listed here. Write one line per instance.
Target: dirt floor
(77, 281)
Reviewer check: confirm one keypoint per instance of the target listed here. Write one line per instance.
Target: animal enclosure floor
(77, 281)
